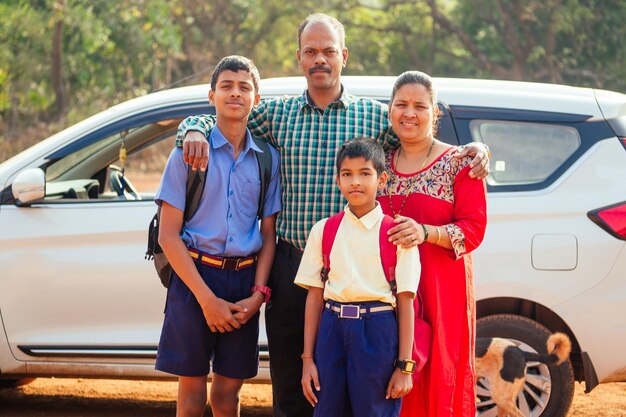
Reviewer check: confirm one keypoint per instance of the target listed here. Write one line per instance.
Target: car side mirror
(29, 186)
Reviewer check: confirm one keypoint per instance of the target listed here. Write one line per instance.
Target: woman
(444, 211)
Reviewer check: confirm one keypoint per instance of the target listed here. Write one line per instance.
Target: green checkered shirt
(307, 139)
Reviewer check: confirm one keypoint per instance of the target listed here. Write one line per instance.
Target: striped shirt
(308, 138)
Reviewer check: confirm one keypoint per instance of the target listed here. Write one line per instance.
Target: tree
(60, 103)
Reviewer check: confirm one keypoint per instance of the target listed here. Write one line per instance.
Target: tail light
(611, 218)
(623, 140)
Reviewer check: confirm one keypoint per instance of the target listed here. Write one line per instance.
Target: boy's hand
(399, 385)
(196, 150)
(480, 163)
(252, 305)
(219, 315)
(407, 232)
(310, 378)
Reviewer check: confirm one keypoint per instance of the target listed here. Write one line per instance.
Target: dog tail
(559, 347)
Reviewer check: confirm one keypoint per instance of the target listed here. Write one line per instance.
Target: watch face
(409, 366)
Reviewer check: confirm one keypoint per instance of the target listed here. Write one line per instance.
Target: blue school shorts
(188, 346)
(355, 361)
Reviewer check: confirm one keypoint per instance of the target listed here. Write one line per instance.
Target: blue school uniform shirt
(225, 223)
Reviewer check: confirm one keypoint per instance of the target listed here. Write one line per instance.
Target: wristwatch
(265, 290)
(406, 366)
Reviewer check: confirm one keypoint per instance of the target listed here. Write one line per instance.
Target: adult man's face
(321, 56)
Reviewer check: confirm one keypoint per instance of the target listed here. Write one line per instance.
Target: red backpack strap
(328, 238)
(388, 255)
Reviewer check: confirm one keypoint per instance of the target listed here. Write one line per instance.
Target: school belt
(234, 264)
(356, 311)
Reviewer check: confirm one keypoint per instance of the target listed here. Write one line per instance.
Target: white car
(77, 297)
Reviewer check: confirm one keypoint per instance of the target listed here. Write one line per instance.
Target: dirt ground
(50, 397)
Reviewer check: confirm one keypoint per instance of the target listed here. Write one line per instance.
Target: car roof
(451, 91)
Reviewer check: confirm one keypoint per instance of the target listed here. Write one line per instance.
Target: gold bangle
(438, 235)
(306, 355)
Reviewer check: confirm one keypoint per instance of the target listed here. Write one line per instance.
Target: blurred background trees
(63, 60)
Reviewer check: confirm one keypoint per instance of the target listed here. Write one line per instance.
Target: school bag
(193, 194)
(389, 259)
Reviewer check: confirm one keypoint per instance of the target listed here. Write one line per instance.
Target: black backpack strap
(195, 187)
(264, 160)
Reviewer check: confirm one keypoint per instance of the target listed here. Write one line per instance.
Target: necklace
(409, 190)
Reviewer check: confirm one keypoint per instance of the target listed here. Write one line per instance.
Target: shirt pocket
(248, 191)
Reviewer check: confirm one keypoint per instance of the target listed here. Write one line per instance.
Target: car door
(75, 286)
(539, 244)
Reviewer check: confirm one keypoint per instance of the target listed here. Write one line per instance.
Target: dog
(503, 364)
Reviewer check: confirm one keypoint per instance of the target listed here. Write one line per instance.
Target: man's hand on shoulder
(196, 150)
(480, 163)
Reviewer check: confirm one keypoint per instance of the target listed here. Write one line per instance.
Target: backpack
(195, 187)
(389, 259)
(387, 249)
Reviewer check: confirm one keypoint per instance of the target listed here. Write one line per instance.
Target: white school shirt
(356, 272)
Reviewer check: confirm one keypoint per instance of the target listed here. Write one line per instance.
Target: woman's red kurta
(443, 194)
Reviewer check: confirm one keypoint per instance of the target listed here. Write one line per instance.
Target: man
(307, 130)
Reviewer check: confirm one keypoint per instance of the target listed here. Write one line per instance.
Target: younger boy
(220, 257)
(358, 362)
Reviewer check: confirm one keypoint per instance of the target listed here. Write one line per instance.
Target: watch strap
(263, 289)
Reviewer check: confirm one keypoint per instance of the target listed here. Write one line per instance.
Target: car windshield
(62, 165)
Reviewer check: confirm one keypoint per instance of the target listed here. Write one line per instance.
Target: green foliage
(115, 50)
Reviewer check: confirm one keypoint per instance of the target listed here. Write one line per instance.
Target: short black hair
(362, 147)
(236, 63)
(335, 24)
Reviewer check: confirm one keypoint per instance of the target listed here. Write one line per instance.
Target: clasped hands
(223, 316)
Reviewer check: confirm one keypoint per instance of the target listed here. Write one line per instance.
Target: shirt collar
(218, 140)
(344, 100)
(370, 219)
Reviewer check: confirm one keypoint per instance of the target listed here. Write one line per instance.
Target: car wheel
(549, 389)
(13, 383)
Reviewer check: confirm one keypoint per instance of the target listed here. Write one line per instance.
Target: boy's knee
(192, 397)
(225, 395)
(224, 399)
(191, 406)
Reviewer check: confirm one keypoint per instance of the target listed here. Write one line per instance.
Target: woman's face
(411, 113)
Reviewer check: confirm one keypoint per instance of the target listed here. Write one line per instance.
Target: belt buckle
(349, 311)
(230, 263)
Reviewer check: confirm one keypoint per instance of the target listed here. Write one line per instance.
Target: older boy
(356, 353)
(220, 256)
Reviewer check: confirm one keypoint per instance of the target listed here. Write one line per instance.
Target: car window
(524, 153)
(59, 167)
(95, 172)
(144, 165)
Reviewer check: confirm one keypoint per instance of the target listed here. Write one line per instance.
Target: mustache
(319, 68)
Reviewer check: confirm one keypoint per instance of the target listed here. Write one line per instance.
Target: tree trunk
(60, 104)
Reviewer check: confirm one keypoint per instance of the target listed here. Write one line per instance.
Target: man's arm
(192, 136)
(479, 150)
(193, 132)
(480, 163)
(217, 312)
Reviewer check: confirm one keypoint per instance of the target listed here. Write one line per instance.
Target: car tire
(14, 383)
(549, 389)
